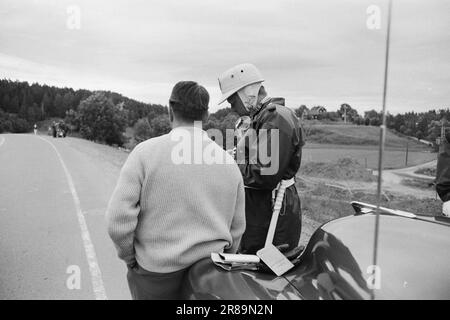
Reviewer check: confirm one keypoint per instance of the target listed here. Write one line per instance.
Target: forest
(104, 116)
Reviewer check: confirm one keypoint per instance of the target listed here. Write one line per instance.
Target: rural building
(315, 112)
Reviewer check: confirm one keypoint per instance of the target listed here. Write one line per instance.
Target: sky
(315, 52)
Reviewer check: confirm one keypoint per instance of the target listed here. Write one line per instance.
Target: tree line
(96, 115)
(421, 125)
(104, 116)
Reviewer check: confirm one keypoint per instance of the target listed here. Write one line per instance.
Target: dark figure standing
(443, 174)
(242, 87)
(54, 129)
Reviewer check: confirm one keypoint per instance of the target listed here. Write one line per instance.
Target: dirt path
(409, 172)
(392, 182)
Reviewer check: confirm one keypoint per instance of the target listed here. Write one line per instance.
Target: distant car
(60, 133)
(61, 130)
(413, 263)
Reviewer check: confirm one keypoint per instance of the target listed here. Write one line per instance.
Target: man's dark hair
(189, 100)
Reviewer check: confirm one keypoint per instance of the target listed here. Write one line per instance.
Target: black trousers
(146, 285)
(258, 213)
(443, 170)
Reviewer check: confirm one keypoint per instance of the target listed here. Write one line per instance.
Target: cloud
(311, 52)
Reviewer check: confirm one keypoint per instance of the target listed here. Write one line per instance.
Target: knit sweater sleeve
(124, 207)
(238, 223)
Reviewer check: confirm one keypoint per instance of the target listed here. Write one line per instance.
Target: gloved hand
(241, 126)
(446, 209)
(283, 247)
(232, 152)
(132, 264)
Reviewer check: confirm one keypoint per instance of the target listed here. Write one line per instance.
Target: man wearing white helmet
(443, 174)
(242, 87)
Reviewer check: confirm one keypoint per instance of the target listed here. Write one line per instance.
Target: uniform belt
(286, 184)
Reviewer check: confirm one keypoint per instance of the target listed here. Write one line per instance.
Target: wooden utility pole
(407, 151)
(345, 114)
(442, 128)
(443, 122)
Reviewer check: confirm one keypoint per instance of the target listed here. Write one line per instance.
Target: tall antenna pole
(382, 140)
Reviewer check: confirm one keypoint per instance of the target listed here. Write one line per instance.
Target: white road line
(96, 275)
(2, 141)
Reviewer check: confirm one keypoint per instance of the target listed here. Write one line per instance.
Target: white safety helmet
(236, 78)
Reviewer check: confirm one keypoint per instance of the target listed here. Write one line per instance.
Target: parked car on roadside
(413, 260)
(61, 129)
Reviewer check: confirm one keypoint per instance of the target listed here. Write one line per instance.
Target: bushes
(160, 125)
(145, 128)
(12, 123)
(142, 130)
(73, 120)
(101, 120)
(20, 125)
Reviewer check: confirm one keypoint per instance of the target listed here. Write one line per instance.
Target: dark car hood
(205, 281)
(413, 261)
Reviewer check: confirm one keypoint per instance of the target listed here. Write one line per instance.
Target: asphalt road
(53, 197)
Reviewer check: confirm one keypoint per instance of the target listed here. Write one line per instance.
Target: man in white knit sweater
(166, 214)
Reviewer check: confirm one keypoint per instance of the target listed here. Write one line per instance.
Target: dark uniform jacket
(443, 170)
(258, 191)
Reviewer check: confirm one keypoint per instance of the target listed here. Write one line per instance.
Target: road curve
(53, 195)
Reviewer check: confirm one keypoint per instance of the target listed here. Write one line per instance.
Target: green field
(364, 152)
(356, 136)
(367, 156)
(327, 143)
